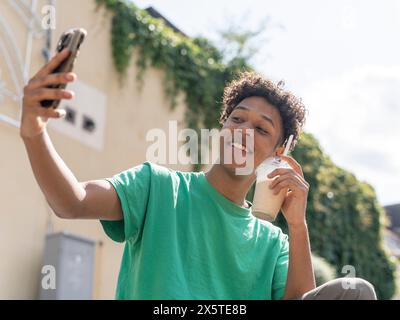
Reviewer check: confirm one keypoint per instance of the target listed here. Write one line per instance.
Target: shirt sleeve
(281, 268)
(133, 188)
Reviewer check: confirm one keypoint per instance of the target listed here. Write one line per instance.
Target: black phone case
(71, 39)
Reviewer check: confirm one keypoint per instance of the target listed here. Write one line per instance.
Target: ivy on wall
(345, 220)
(191, 65)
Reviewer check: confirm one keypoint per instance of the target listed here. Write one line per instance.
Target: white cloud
(356, 117)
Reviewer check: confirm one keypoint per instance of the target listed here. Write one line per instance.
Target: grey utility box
(72, 259)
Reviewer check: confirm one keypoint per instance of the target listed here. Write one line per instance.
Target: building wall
(130, 113)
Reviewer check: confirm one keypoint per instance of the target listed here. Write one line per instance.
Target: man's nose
(244, 135)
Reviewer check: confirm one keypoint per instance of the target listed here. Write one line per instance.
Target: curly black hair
(250, 84)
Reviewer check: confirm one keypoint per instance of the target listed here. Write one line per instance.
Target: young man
(191, 235)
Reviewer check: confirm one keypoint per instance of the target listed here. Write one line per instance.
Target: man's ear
(279, 151)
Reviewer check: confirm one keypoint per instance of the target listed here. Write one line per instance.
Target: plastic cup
(266, 204)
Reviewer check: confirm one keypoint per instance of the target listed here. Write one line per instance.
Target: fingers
(50, 112)
(294, 178)
(289, 183)
(52, 79)
(288, 178)
(281, 171)
(293, 163)
(51, 94)
(283, 184)
(52, 64)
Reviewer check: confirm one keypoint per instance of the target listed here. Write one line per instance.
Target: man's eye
(261, 130)
(236, 119)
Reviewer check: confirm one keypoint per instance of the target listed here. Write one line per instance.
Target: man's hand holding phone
(67, 197)
(34, 117)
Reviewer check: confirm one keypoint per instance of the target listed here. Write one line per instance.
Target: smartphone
(71, 39)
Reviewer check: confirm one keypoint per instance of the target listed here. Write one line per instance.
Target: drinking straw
(288, 144)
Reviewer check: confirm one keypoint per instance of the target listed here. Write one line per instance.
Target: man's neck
(231, 186)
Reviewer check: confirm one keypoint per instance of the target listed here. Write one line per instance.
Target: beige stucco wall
(25, 215)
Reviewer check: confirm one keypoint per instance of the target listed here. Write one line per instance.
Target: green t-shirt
(184, 240)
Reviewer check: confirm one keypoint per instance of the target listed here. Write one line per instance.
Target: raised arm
(69, 198)
(300, 278)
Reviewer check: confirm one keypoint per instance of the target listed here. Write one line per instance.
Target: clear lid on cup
(269, 165)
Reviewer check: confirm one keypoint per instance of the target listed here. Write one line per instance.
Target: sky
(341, 57)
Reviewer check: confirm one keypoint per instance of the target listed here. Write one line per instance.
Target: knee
(358, 288)
(366, 289)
